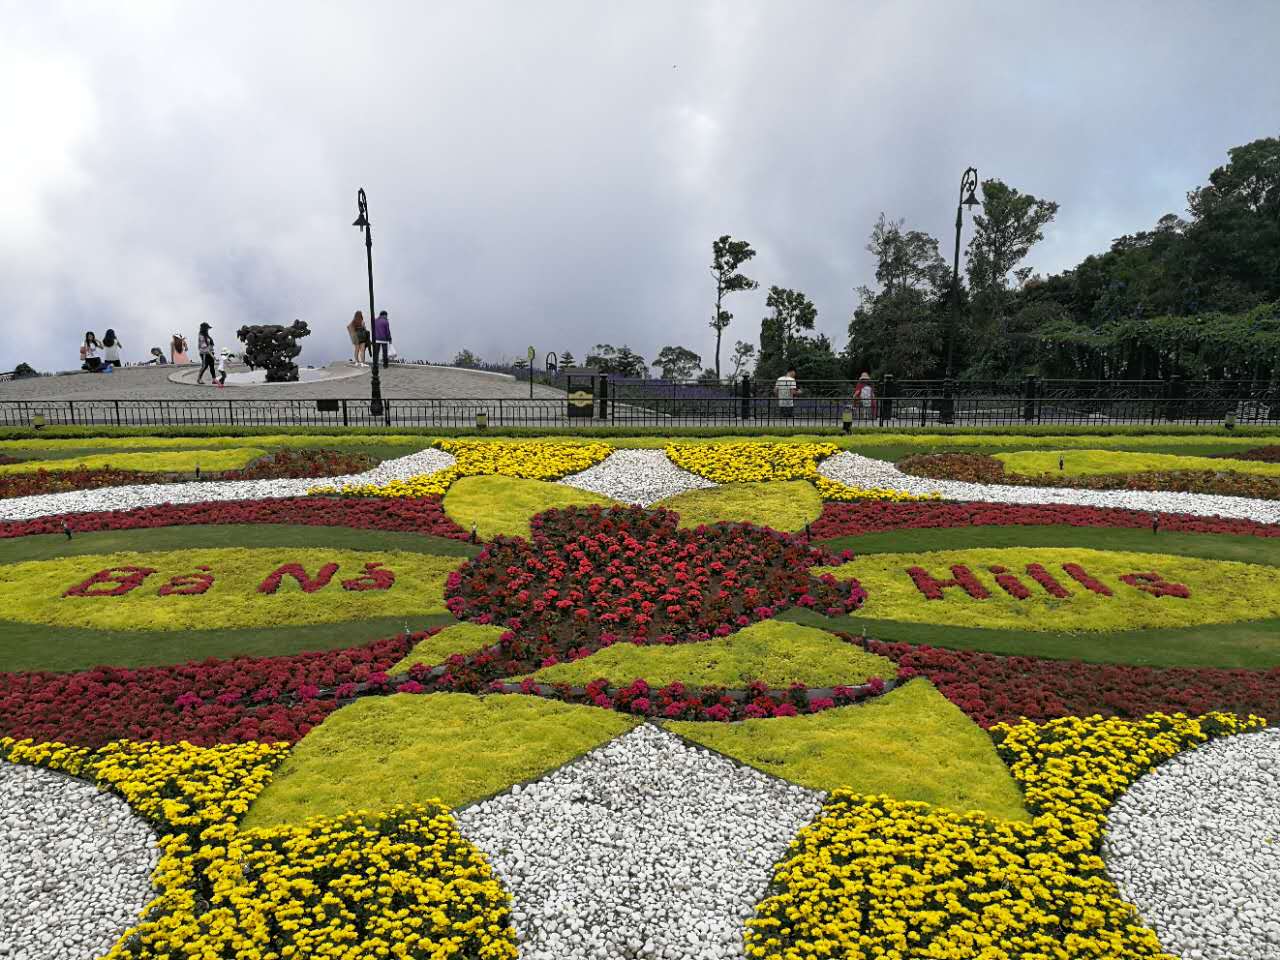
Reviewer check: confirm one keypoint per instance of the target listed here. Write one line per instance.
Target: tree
(1010, 224)
(677, 363)
(23, 370)
(743, 354)
(895, 329)
(792, 312)
(465, 358)
(618, 361)
(567, 359)
(727, 255)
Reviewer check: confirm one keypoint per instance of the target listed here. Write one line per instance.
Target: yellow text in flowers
(216, 588)
(1056, 588)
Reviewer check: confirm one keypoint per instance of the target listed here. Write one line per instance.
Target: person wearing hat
(204, 343)
(864, 398)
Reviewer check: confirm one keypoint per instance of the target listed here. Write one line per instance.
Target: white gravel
(75, 866)
(645, 848)
(637, 476)
(859, 471)
(152, 494)
(1195, 845)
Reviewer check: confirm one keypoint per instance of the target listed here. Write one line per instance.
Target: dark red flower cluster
(279, 465)
(677, 701)
(995, 689)
(592, 577)
(410, 514)
(859, 517)
(213, 701)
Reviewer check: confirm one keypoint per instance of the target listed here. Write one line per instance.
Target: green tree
(24, 370)
(465, 358)
(1010, 224)
(617, 361)
(567, 359)
(743, 354)
(896, 328)
(677, 363)
(780, 330)
(727, 255)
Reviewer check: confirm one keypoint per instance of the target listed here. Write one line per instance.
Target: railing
(735, 407)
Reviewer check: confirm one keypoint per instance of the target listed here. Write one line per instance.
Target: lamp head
(971, 201)
(361, 221)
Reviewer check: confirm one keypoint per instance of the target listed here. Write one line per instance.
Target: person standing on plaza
(382, 337)
(178, 349)
(204, 344)
(111, 348)
(786, 389)
(864, 398)
(359, 338)
(89, 359)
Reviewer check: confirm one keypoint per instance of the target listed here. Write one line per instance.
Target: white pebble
(637, 476)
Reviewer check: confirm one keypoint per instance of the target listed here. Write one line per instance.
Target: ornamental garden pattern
(370, 716)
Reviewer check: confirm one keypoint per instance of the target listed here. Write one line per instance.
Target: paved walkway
(407, 381)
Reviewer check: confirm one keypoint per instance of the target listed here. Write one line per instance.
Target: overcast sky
(554, 173)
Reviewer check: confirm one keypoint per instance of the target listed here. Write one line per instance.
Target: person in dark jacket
(381, 337)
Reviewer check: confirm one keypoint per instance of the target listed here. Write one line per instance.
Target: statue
(273, 347)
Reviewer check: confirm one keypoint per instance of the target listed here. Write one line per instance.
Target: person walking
(111, 348)
(864, 398)
(786, 389)
(359, 338)
(221, 379)
(382, 337)
(204, 344)
(178, 349)
(89, 359)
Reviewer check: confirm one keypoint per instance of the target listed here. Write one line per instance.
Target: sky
(553, 173)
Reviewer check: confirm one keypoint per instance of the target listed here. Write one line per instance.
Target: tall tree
(567, 359)
(677, 363)
(727, 255)
(792, 312)
(895, 328)
(1010, 224)
(743, 354)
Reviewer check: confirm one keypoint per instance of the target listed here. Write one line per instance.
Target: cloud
(554, 173)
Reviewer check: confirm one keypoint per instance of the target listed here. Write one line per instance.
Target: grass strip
(29, 646)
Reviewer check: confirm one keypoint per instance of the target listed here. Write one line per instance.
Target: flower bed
(878, 877)
(526, 461)
(976, 468)
(1061, 589)
(279, 465)
(855, 519)
(591, 577)
(223, 588)
(413, 515)
(996, 689)
(203, 703)
(358, 883)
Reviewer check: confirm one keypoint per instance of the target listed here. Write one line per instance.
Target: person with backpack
(204, 344)
(178, 349)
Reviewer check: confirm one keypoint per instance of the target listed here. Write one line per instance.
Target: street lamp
(362, 222)
(968, 184)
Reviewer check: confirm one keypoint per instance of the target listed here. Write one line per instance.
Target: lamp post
(362, 222)
(968, 183)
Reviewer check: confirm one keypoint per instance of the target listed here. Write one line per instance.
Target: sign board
(532, 353)
(580, 388)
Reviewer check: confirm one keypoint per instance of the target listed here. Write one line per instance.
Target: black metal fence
(742, 404)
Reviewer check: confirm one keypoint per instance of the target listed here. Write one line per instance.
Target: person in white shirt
(786, 390)
(89, 353)
(864, 398)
